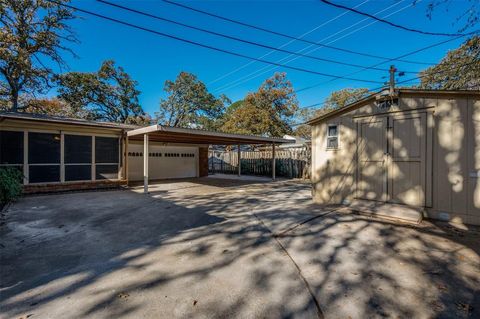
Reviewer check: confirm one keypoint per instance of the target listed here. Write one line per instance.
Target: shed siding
(453, 152)
(333, 172)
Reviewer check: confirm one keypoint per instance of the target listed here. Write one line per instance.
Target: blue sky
(151, 59)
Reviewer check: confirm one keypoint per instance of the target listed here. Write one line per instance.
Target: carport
(163, 134)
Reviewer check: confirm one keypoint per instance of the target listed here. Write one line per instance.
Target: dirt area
(217, 248)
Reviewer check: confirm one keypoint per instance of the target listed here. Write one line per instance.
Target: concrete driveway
(212, 248)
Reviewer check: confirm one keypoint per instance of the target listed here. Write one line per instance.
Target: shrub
(10, 184)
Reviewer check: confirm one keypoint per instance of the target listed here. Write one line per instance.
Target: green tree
(269, 111)
(32, 32)
(109, 94)
(190, 104)
(341, 98)
(335, 100)
(459, 69)
(53, 106)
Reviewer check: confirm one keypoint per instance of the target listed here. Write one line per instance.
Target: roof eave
(248, 139)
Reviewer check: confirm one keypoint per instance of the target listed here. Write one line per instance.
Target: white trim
(332, 136)
(94, 168)
(145, 163)
(157, 128)
(62, 157)
(25, 158)
(90, 134)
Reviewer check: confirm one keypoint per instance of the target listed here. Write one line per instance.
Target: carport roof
(158, 133)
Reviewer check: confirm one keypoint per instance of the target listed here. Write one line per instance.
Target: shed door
(372, 145)
(406, 158)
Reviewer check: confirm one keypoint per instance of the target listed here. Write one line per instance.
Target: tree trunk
(14, 100)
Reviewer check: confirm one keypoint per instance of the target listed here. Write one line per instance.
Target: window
(107, 171)
(43, 157)
(106, 150)
(106, 157)
(332, 136)
(11, 148)
(78, 157)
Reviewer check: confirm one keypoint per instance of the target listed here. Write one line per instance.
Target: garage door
(164, 162)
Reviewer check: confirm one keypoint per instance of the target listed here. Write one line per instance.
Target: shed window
(332, 136)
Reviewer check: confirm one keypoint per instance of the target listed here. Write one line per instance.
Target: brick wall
(51, 188)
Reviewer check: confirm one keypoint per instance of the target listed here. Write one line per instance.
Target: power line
(282, 46)
(205, 45)
(400, 82)
(394, 59)
(286, 35)
(259, 72)
(320, 104)
(239, 39)
(340, 6)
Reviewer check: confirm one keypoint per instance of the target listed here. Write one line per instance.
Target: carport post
(273, 161)
(145, 163)
(126, 158)
(239, 157)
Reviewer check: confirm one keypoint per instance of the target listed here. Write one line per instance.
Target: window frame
(65, 164)
(62, 163)
(329, 137)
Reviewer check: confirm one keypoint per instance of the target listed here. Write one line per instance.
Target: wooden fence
(289, 163)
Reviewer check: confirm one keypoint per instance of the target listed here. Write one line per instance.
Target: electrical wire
(239, 39)
(267, 69)
(285, 35)
(375, 90)
(204, 45)
(394, 59)
(340, 6)
(234, 71)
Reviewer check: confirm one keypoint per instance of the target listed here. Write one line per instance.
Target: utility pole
(392, 79)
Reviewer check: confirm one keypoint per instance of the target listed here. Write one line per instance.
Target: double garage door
(392, 159)
(165, 162)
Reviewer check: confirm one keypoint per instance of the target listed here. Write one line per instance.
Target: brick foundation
(52, 188)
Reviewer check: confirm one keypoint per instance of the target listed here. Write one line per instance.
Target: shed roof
(399, 91)
(158, 133)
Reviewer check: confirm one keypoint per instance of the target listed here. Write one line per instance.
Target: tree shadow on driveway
(179, 253)
(125, 254)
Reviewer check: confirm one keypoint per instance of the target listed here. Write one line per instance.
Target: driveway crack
(307, 285)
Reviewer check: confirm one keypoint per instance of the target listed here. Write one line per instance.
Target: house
(297, 142)
(407, 151)
(57, 153)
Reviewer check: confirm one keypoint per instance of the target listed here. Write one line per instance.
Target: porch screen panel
(78, 157)
(44, 157)
(106, 157)
(11, 148)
